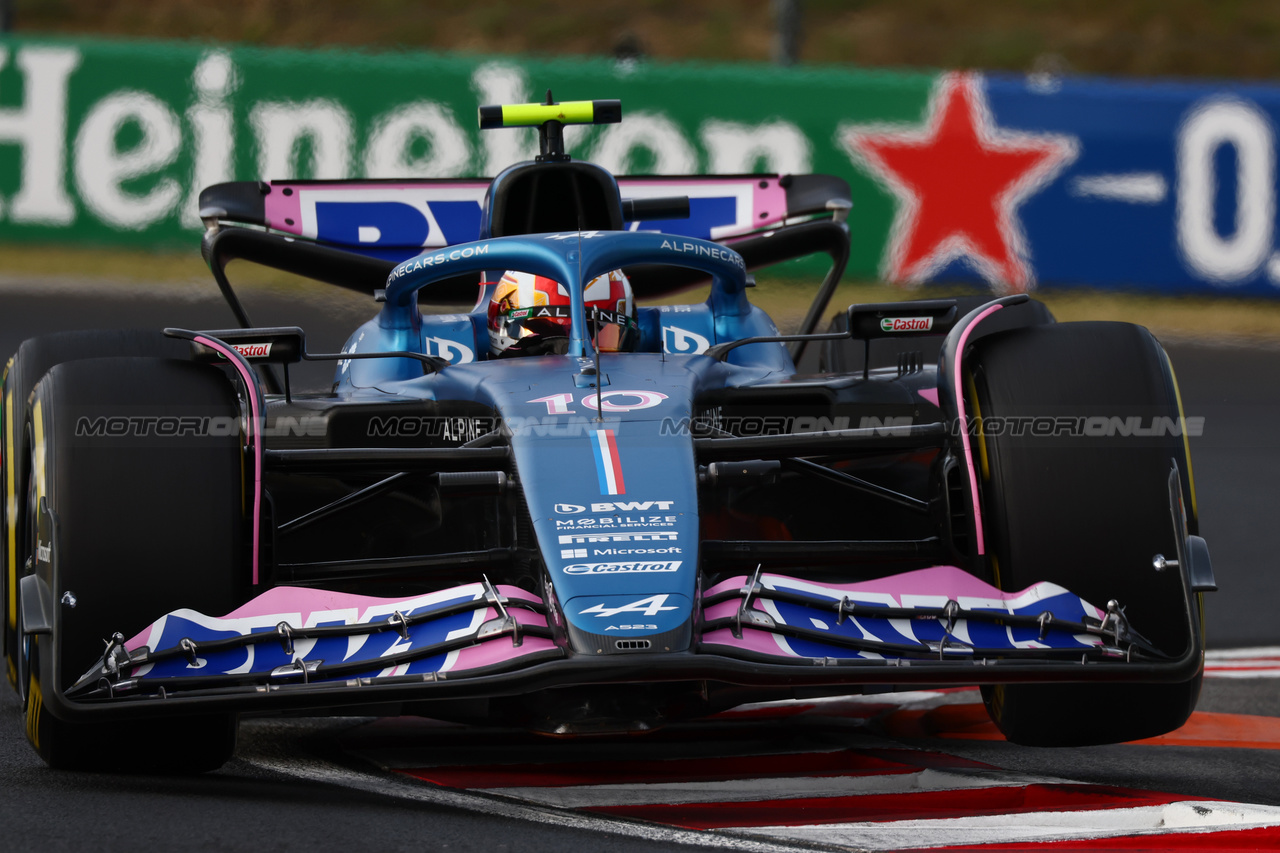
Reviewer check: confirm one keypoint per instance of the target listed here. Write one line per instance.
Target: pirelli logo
(589, 538)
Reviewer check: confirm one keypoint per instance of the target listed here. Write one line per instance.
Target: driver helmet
(529, 313)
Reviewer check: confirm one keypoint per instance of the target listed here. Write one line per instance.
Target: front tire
(32, 361)
(142, 521)
(1086, 512)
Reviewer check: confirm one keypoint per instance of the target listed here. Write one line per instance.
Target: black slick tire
(33, 359)
(1087, 512)
(149, 519)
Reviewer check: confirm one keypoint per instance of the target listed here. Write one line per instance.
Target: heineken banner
(1005, 179)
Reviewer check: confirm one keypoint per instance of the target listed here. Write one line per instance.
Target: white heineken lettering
(651, 606)
(906, 324)
(105, 175)
(631, 506)
(39, 127)
(620, 568)
(213, 129)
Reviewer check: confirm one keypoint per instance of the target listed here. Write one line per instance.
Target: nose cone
(611, 487)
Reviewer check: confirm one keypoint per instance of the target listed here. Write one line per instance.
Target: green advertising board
(105, 142)
(1160, 186)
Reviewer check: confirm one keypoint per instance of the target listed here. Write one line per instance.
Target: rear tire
(1084, 512)
(147, 522)
(33, 359)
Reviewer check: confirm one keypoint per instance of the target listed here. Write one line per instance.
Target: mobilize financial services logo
(615, 506)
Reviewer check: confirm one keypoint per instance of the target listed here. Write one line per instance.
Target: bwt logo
(618, 506)
(451, 351)
(680, 341)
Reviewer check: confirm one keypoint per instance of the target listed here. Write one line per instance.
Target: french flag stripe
(608, 463)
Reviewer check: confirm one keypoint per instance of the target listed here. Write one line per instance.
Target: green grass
(1218, 38)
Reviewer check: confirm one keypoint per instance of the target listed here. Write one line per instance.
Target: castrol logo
(253, 350)
(906, 324)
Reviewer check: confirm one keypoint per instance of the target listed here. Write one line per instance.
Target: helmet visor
(613, 331)
(541, 320)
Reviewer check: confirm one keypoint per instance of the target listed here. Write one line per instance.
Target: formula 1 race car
(567, 513)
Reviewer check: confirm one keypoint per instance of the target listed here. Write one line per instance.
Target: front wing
(305, 648)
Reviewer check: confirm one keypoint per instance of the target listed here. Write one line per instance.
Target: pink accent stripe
(283, 212)
(251, 392)
(936, 580)
(964, 427)
(501, 649)
(305, 600)
(770, 202)
(611, 442)
(752, 640)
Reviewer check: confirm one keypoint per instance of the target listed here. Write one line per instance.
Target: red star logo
(959, 182)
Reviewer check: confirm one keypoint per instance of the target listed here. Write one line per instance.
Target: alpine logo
(651, 606)
(906, 324)
(262, 350)
(622, 569)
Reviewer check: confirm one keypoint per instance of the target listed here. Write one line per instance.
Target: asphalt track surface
(354, 784)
